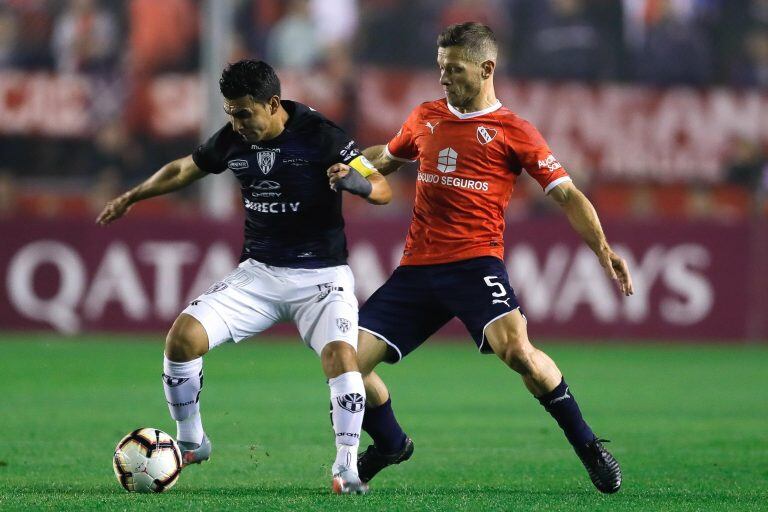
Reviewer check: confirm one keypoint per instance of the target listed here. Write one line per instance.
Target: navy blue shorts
(419, 299)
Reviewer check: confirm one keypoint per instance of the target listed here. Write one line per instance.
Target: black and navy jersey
(293, 218)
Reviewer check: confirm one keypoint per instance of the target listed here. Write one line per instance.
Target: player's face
(461, 79)
(252, 120)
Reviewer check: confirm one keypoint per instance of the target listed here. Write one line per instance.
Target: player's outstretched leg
(347, 409)
(509, 339)
(390, 444)
(185, 345)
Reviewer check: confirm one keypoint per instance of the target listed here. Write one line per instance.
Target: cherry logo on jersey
(550, 163)
(485, 135)
(446, 160)
(266, 160)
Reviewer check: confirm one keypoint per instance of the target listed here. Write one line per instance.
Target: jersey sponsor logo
(349, 151)
(275, 150)
(501, 301)
(216, 287)
(237, 164)
(266, 160)
(275, 207)
(296, 162)
(451, 181)
(265, 188)
(431, 126)
(485, 135)
(446, 160)
(352, 402)
(550, 163)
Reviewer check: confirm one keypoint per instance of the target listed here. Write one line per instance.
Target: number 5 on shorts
(489, 280)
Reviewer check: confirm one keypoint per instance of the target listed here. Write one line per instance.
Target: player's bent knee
(187, 339)
(519, 357)
(338, 357)
(370, 352)
(515, 350)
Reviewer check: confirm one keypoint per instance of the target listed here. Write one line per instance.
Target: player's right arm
(381, 160)
(388, 158)
(171, 177)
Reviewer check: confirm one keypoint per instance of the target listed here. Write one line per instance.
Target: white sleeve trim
(556, 183)
(393, 157)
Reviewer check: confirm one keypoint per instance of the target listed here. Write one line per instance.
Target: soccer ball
(147, 460)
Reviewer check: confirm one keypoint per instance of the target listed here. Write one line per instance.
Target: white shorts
(254, 296)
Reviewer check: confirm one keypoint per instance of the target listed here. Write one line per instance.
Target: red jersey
(468, 167)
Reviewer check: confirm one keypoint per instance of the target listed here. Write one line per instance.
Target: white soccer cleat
(347, 481)
(193, 453)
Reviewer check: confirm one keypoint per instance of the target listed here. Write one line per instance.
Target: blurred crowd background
(112, 58)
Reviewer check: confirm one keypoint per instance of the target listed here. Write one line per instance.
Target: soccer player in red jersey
(471, 151)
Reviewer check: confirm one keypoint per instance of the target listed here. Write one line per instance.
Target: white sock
(347, 409)
(190, 429)
(182, 383)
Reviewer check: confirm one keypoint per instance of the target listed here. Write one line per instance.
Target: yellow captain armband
(363, 166)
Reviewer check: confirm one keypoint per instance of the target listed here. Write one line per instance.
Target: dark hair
(477, 40)
(249, 77)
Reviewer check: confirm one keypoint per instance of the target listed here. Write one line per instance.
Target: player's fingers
(625, 278)
(104, 215)
(607, 264)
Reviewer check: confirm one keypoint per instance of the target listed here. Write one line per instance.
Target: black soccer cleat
(371, 461)
(603, 469)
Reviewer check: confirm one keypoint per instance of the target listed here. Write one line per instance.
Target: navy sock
(380, 423)
(561, 404)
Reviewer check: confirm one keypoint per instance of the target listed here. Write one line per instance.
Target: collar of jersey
(470, 115)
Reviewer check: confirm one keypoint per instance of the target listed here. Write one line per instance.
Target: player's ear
(487, 68)
(274, 104)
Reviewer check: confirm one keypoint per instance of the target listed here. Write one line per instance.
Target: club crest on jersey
(266, 160)
(237, 164)
(485, 135)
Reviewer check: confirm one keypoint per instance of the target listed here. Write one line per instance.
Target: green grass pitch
(688, 423)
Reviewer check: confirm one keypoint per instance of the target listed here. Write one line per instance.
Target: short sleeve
(338, 147)
(210, 155)
(403, 147)
(537, 159)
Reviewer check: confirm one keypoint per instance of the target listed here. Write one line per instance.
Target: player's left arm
(583, 217)
(359, 177)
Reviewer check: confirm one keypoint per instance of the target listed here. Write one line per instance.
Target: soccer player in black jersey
(293, 262)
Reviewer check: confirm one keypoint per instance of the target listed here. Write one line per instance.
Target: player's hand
(336, 172)
(616, 268)
(114, 209)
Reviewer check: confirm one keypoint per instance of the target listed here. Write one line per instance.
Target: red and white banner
(662, 135)
(692, 281)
